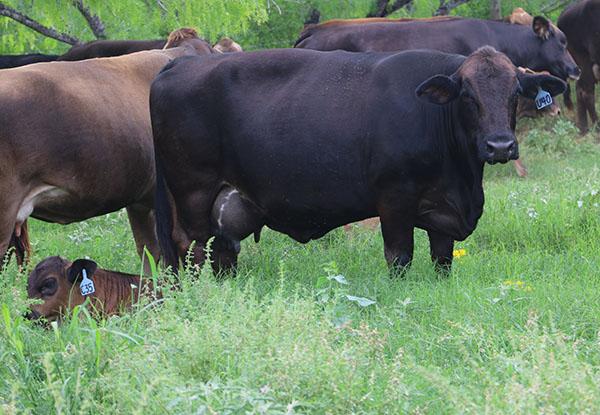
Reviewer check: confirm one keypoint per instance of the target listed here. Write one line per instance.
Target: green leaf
(361, 301)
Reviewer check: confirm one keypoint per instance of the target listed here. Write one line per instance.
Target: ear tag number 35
(87, 285)
(542, 99)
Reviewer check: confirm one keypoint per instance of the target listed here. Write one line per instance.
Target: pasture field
(514, 329)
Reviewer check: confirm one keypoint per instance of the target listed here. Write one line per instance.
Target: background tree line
(51, 26)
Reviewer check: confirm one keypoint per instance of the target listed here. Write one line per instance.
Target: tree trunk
(495, 10)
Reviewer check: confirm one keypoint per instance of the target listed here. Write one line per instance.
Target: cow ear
(541, 27)
(74, 271)
(530, 84)
(439, 89)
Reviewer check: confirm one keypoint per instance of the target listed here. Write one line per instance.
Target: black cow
(312, 141)
(580, 23)
(108, 48)
(14, 61)
(540, 49)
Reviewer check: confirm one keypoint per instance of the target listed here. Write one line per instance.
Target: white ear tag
(87, 285)
(542, 99)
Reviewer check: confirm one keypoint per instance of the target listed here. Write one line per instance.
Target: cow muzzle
(32, 315)
(501, 148)
(574, 72)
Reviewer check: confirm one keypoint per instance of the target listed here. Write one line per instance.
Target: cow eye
(48, 287)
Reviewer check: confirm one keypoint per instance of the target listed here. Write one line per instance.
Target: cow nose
(32, 315)
(502, 149)
(574, 72)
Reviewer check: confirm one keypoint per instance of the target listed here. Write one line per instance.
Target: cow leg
(143, 227)
(591, 104)
(520, 168)
(585, 97)
(8, 237)
(398, 240)
(441, 247)
(567, 98)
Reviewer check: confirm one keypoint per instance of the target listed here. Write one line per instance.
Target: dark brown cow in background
(540, 47)
(14, 61)
(581, 23)
(109, 48)
(76, 142)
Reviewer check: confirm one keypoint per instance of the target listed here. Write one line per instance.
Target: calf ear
(531, 83)
(74, 271)
(439, 89)
(541, 27)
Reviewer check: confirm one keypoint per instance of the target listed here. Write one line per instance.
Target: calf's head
(54, 281)
(485, 89)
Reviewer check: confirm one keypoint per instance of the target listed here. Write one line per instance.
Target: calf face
(485, 89)
(54, 281)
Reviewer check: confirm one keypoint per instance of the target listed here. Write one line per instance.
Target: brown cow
(580, 23)
(76, 143)
(226, 45)
(57, 281)
(190, 37)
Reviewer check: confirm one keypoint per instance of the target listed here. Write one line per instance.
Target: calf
(57, 282)
(311, 141)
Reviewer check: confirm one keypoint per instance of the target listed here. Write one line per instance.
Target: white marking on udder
(222, 207)
(30, 200)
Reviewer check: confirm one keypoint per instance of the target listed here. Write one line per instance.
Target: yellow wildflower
(518, 285)
(459, 253)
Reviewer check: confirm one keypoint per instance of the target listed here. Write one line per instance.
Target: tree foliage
(253, 23)
(128, 19)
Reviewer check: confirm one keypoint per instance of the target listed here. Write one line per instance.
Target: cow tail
(21, 244)
(567, 97)
(164, 219)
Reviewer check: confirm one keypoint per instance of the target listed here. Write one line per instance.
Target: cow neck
(514, 41)
(463, 169)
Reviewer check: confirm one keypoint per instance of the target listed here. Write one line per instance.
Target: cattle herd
(388, 118)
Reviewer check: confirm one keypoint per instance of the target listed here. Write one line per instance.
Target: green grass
(284, 338)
